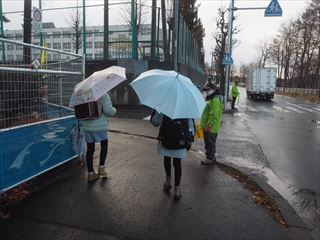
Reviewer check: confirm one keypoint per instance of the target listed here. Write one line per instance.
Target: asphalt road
(288, 131)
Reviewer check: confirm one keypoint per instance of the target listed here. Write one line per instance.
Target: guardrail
(306, 91)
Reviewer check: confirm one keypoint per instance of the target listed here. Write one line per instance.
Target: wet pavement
(132, 205)
(287, 133)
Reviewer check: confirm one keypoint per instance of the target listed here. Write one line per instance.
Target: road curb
(298, 229)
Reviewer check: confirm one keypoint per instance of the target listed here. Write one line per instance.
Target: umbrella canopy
(169, 93)
(98, 84)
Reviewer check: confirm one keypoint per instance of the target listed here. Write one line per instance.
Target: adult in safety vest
(210, 121)
(234, 93)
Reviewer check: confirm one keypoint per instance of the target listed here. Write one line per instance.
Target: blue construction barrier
(29, 150)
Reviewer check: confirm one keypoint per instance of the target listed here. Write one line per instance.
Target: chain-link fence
(36, 124)
(37, 89)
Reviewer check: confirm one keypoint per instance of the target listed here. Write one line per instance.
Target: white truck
(261, 83)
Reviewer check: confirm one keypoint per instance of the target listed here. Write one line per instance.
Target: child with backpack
(175, 138)
(96, 130)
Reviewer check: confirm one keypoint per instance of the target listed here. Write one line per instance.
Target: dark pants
(210, 144)
(177, 169)
(233, 102)
(90, 152)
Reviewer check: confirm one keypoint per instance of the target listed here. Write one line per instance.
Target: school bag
(175, 134)
(88, 111)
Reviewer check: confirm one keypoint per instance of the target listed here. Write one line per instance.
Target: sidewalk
(132, 205)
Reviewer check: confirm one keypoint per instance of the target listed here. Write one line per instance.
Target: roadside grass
(259, 196)
(305, 97)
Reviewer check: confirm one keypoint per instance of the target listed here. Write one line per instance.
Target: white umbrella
(96, 85)
(169, 93)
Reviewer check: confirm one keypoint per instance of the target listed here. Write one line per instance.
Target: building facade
(120, 42)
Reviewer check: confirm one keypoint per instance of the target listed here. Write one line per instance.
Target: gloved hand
(208, 129)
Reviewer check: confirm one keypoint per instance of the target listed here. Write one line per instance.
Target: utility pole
(84, 33)
(27, 31)
(106, 30)
(41, 33)
(164, 31)
(229, 51)
(153, 29)
(134, 29)
(176, 35)
(2, 34)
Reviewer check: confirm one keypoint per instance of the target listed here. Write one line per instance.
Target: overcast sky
(253, 25)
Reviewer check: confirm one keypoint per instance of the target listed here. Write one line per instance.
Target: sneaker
(207, 161)
(92, 176)
(102, 172)
(167, 185)
(177, 193)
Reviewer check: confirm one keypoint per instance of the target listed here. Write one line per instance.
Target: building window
(98, 56)
(19, 36)
(10, 57)
(146, 31)
(56, 34)
(56, 45)
(48, 45)
(89, 33)
(10, 47)
(10, 36)
(89, 55)
(66, 34)
(98, 45)
(89, 44)
(19, 47)
(67, 46)
(56, 57)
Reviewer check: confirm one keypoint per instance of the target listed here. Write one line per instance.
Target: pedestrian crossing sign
(227, 59)
(273, 10)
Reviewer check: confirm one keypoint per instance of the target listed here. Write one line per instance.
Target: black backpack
(88, 111)
(175, 134)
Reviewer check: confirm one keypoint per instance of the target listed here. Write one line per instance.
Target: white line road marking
(281, 109)
(252, 109)
(295, 110)
(317, 109)
(302, 108)
(147, 118)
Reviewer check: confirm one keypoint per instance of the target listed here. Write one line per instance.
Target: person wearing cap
(210, 121)
(234, 93)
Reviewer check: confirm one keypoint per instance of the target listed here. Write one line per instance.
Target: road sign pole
(2, 34)
(176, 35)
(229, 51)
(84, 34)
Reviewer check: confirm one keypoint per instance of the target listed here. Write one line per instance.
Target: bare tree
(264, 49)
(277, 56)
(5, 19)
(139, 15)
(75, 22)
(296, 50)
(220, 38)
